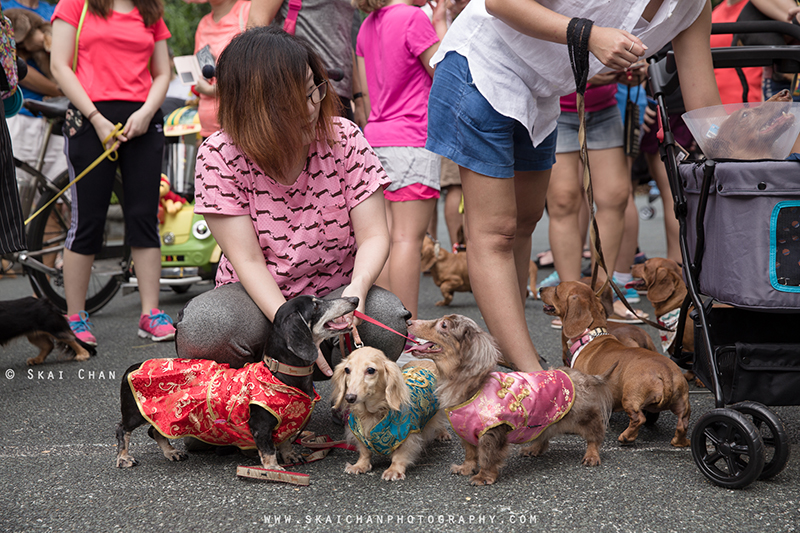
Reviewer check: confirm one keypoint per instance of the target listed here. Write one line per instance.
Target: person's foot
(80, 326)
(157, 326)
(544, 259)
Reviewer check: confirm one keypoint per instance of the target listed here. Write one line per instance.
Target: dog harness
(669, 321)
(211, 401)
(394, 428)
(528, 402)
(576, 347)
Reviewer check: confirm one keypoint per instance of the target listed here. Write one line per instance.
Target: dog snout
(350, 398)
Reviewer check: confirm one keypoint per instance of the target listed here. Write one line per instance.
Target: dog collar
(577, 345)
(669, 321)
(276, 366)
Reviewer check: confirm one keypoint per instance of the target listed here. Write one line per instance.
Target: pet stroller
(740, 243)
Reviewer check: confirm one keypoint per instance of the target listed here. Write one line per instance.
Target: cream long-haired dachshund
(392, 411)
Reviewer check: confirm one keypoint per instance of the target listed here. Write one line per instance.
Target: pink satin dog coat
(528, 402)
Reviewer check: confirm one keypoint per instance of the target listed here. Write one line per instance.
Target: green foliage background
(181, 19)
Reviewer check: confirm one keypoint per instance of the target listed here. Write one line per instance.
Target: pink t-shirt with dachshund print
(304, 229)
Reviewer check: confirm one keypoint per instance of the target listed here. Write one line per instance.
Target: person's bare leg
(410, 222)
(147, 263)
(491, 209)
(565, 201)
(527, 185)
(611, 185)
(77, 273)
(383, 280)
(671, 226)
(452, 217)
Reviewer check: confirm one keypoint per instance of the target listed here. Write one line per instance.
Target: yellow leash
(111, 154)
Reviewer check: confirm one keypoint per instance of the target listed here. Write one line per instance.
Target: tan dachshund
(643, 380)
(449, 271)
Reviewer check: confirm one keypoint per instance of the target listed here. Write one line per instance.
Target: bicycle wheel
(48, 233)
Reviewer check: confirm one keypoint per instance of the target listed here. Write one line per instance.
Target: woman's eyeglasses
(318, 93)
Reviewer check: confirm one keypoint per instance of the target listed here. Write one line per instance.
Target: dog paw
(463, 470)
(292, 458)
(481, 478)
(591, 460)
(357, 469)
(679, 443)
(176, 455)
(392, 474)
(82, 356)
(534, 450)
(126, 461)
(33, 361)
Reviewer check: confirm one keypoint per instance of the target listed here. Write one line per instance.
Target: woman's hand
(137, 123)
(322, 364)
(615, 48)
(104, 127)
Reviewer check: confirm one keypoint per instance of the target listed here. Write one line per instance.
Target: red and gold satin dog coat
(528, 402)
(211, 401)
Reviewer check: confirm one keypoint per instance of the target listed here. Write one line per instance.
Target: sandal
(556, 323)
(628, 317)
(544, 259)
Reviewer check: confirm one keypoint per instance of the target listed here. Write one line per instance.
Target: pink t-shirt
(596, 98)
(304, 229)
(217, 35)
(113, 53)
(390, 41)
(728, 82)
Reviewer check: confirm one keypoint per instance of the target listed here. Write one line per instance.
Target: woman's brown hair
(151, 10)
(368, 6)
(261, 90)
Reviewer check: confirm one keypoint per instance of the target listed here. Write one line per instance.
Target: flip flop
(548, 256)
(628, 317)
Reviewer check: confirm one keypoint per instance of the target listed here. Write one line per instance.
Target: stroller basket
(751, 228)
(756, 357)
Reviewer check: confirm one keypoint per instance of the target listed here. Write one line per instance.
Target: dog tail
(607, 373)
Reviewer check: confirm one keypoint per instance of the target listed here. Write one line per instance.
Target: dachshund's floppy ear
(297, 334)
(578, 317)
(663, 286)
(397, 394)
(339, 384)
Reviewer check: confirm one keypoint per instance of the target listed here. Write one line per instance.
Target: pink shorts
(415, 191)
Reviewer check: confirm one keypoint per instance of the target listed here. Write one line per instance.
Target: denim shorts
(603, 130)
(465, 128)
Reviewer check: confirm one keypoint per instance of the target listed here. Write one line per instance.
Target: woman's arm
(262, 12)
(365, 102)
(609, 45)
(372, 238)
(139, 121)
(782, 10)
(439, 21)
(61, 67)
(695, 66)
(38, 82)
(237, 238)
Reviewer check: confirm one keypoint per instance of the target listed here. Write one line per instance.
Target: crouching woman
(293, 194)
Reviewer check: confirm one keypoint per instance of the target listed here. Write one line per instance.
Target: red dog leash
(362, 316)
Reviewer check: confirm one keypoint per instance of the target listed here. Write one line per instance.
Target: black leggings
(140, 165)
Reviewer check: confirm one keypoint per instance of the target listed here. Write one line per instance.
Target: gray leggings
(226, 326)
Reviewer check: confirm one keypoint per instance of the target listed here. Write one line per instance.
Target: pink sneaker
(156, 326)
(79, 324)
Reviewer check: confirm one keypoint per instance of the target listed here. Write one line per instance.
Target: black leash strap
(578, 31)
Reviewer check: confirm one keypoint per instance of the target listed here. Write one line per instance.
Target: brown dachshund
(643, 380)
(465, 358)
(449, 271)
(666, 291)
(751, 132)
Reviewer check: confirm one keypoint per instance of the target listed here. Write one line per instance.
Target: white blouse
(523, 77)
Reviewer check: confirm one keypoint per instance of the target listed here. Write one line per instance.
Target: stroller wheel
(773, 434)
(727, 448)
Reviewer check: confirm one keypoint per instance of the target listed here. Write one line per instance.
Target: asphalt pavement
(57, 450)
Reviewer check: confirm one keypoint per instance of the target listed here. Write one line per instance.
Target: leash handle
(110, 153)
(362, 316)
